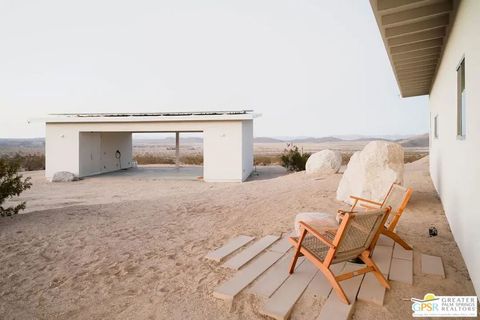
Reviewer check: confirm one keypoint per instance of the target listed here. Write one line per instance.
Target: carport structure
(93, 143)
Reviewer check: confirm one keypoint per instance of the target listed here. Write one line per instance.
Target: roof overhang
(414, 33)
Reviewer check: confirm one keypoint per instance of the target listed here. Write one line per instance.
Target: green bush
(294, 160)
(11, 184)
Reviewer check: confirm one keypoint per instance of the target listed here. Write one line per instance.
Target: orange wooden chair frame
(388, 230)
(333, 245)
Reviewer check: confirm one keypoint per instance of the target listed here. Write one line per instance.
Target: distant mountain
(267, 140)
(420, 141)
(26, 143)
(316, 140)
(368, 139)
(169, 140)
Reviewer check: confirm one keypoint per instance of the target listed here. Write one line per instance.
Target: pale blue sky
(312, 68)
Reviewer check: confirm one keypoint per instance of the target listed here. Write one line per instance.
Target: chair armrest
(317, 234)
(366, 200)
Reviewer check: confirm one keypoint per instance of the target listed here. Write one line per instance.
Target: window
(435, 126)
(461, 117)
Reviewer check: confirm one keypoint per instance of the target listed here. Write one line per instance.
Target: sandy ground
(132, 247)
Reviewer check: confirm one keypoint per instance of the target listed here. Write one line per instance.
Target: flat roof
(152, 116)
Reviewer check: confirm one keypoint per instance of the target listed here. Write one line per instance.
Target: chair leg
(294, 260)
(297, 251)
(335, 285)
(392, 235)
(376, 271)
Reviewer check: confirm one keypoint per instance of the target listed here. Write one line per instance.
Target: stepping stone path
(385, 241)
(274, 277)
(228, 290)
(401, 268)
(282, 301)
(371, 290)
(432, 265)
(382, 256)
(231, 246)
(264, 269)
(334, 308)
(249, 253)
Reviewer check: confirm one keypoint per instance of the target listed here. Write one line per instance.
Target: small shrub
(414, 156)
(11, 184)
(346, 157)
(31, 162)
(294, 160)
(194, 159)
(27, 162)
(153, 158)
(267, 160)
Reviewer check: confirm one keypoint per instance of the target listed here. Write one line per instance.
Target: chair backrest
(397, 199)
(358, 233)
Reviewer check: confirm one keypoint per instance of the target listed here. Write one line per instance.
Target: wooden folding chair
(396, 198)
(354, 238)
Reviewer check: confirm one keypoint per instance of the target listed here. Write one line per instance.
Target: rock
(64, 176)
(324, 162)
(371, 172)
(317, 220)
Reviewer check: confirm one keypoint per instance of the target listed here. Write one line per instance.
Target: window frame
(461, 98)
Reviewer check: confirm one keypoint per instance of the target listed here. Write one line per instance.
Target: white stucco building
(434, 49)
(90, 144)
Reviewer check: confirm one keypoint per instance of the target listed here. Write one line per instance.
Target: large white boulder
(371, 172)
(64, 176)
(324, 162)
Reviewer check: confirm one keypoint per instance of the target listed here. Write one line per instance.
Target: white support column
(177, 149)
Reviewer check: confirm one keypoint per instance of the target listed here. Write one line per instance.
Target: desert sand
(132, 247)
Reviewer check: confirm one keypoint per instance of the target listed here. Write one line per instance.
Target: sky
(311, 68)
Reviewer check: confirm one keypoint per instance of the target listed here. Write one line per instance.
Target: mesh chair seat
(315, 246)
(395, 199)
(320, 249)
(356, 240)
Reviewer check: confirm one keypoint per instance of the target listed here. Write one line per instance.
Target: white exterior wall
(61, 149)
(454, 163)
(90, 146)
(247, 148)
(225, 153)
(222, 153)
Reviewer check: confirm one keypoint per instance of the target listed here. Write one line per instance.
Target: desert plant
(346, 155)
(27, 162)
(294, 160)
(154, 158)
(30, 162)
(266, 160)
(193, 159)
(151, 158)
(11, 184)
